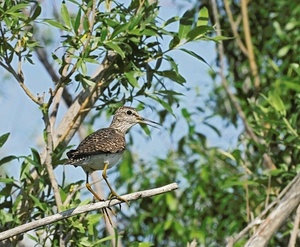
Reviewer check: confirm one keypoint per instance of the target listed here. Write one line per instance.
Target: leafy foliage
(128, 41)
(221, 189)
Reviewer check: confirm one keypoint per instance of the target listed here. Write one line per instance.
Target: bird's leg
(113, 193)
(104, 210)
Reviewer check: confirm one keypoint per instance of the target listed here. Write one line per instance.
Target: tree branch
(234, 28)
(294, 233)
(277, 217)
(83, 209)
(249, 44)
(258, 220)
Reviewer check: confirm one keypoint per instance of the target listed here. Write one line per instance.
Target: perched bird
(102, 149)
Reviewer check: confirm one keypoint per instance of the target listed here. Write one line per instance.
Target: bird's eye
(129, 112)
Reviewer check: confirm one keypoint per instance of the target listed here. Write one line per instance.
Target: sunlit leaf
(65, 15)
(115, 47)
(203, 17)
(185, 24)
(56, 24)
(198, 32)
(132, 79)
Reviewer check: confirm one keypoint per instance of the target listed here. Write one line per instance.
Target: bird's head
(125, 117)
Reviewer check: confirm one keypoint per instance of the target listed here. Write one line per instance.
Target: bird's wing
(102, 141)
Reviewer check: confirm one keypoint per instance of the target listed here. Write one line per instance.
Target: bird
(103, 148)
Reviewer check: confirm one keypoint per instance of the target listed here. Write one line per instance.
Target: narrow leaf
(203, 17)
(131, 79)
(7, 159)
(172, 75)
(56, 24)
(198, 32)
(65, 15)
(115, 48)
(185, 24)
(194, 55)
(4, 138)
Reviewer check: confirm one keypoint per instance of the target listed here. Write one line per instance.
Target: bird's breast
(97, 162)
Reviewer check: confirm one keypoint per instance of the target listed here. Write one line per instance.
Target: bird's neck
(121, 126)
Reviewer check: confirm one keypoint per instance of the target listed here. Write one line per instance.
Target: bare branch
(83, 209)
(249, 44)
(48, 160)
(234, 28)
(294, 233)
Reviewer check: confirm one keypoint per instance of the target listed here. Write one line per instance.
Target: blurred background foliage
(221, 189)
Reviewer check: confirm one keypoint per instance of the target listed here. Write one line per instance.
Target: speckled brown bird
(102, 149)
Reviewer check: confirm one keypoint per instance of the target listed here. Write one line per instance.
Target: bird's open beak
(148, 122)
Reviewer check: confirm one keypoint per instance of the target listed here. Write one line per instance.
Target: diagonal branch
(259, 219)
(234, 28)
(83, 209)
(277, 217)
(249, 44)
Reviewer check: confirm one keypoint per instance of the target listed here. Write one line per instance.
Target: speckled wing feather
(105, 140)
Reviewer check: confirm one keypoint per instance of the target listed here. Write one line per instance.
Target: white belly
(97, 162)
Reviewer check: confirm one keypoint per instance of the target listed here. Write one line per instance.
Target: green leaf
(203, 17)
(185, 24)
(163, 103)
(35, 156)
(56, 24)
(77, 21)
(36, 13)
(198, 32)
(37, 202)
(283, 51)
(195, 55)
(276, 102)
(172, 75)
(220, 38)
(131, 79)
(4, 138)
(289, 126)
(88, 82)
(145, 244)
(168, 92)
(226, 154)
(17, 8)
(65, 15)
(119, 29)
(174, 42)
(171, 20)
(7, 159)
(294, 85)
(213, 128)
(115, 48)
(7, 180)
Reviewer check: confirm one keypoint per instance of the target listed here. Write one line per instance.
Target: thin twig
(234, 28)
(48, 160)
(249, 44)
(83, 209)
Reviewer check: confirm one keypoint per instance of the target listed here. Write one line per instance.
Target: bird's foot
(114, 195)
